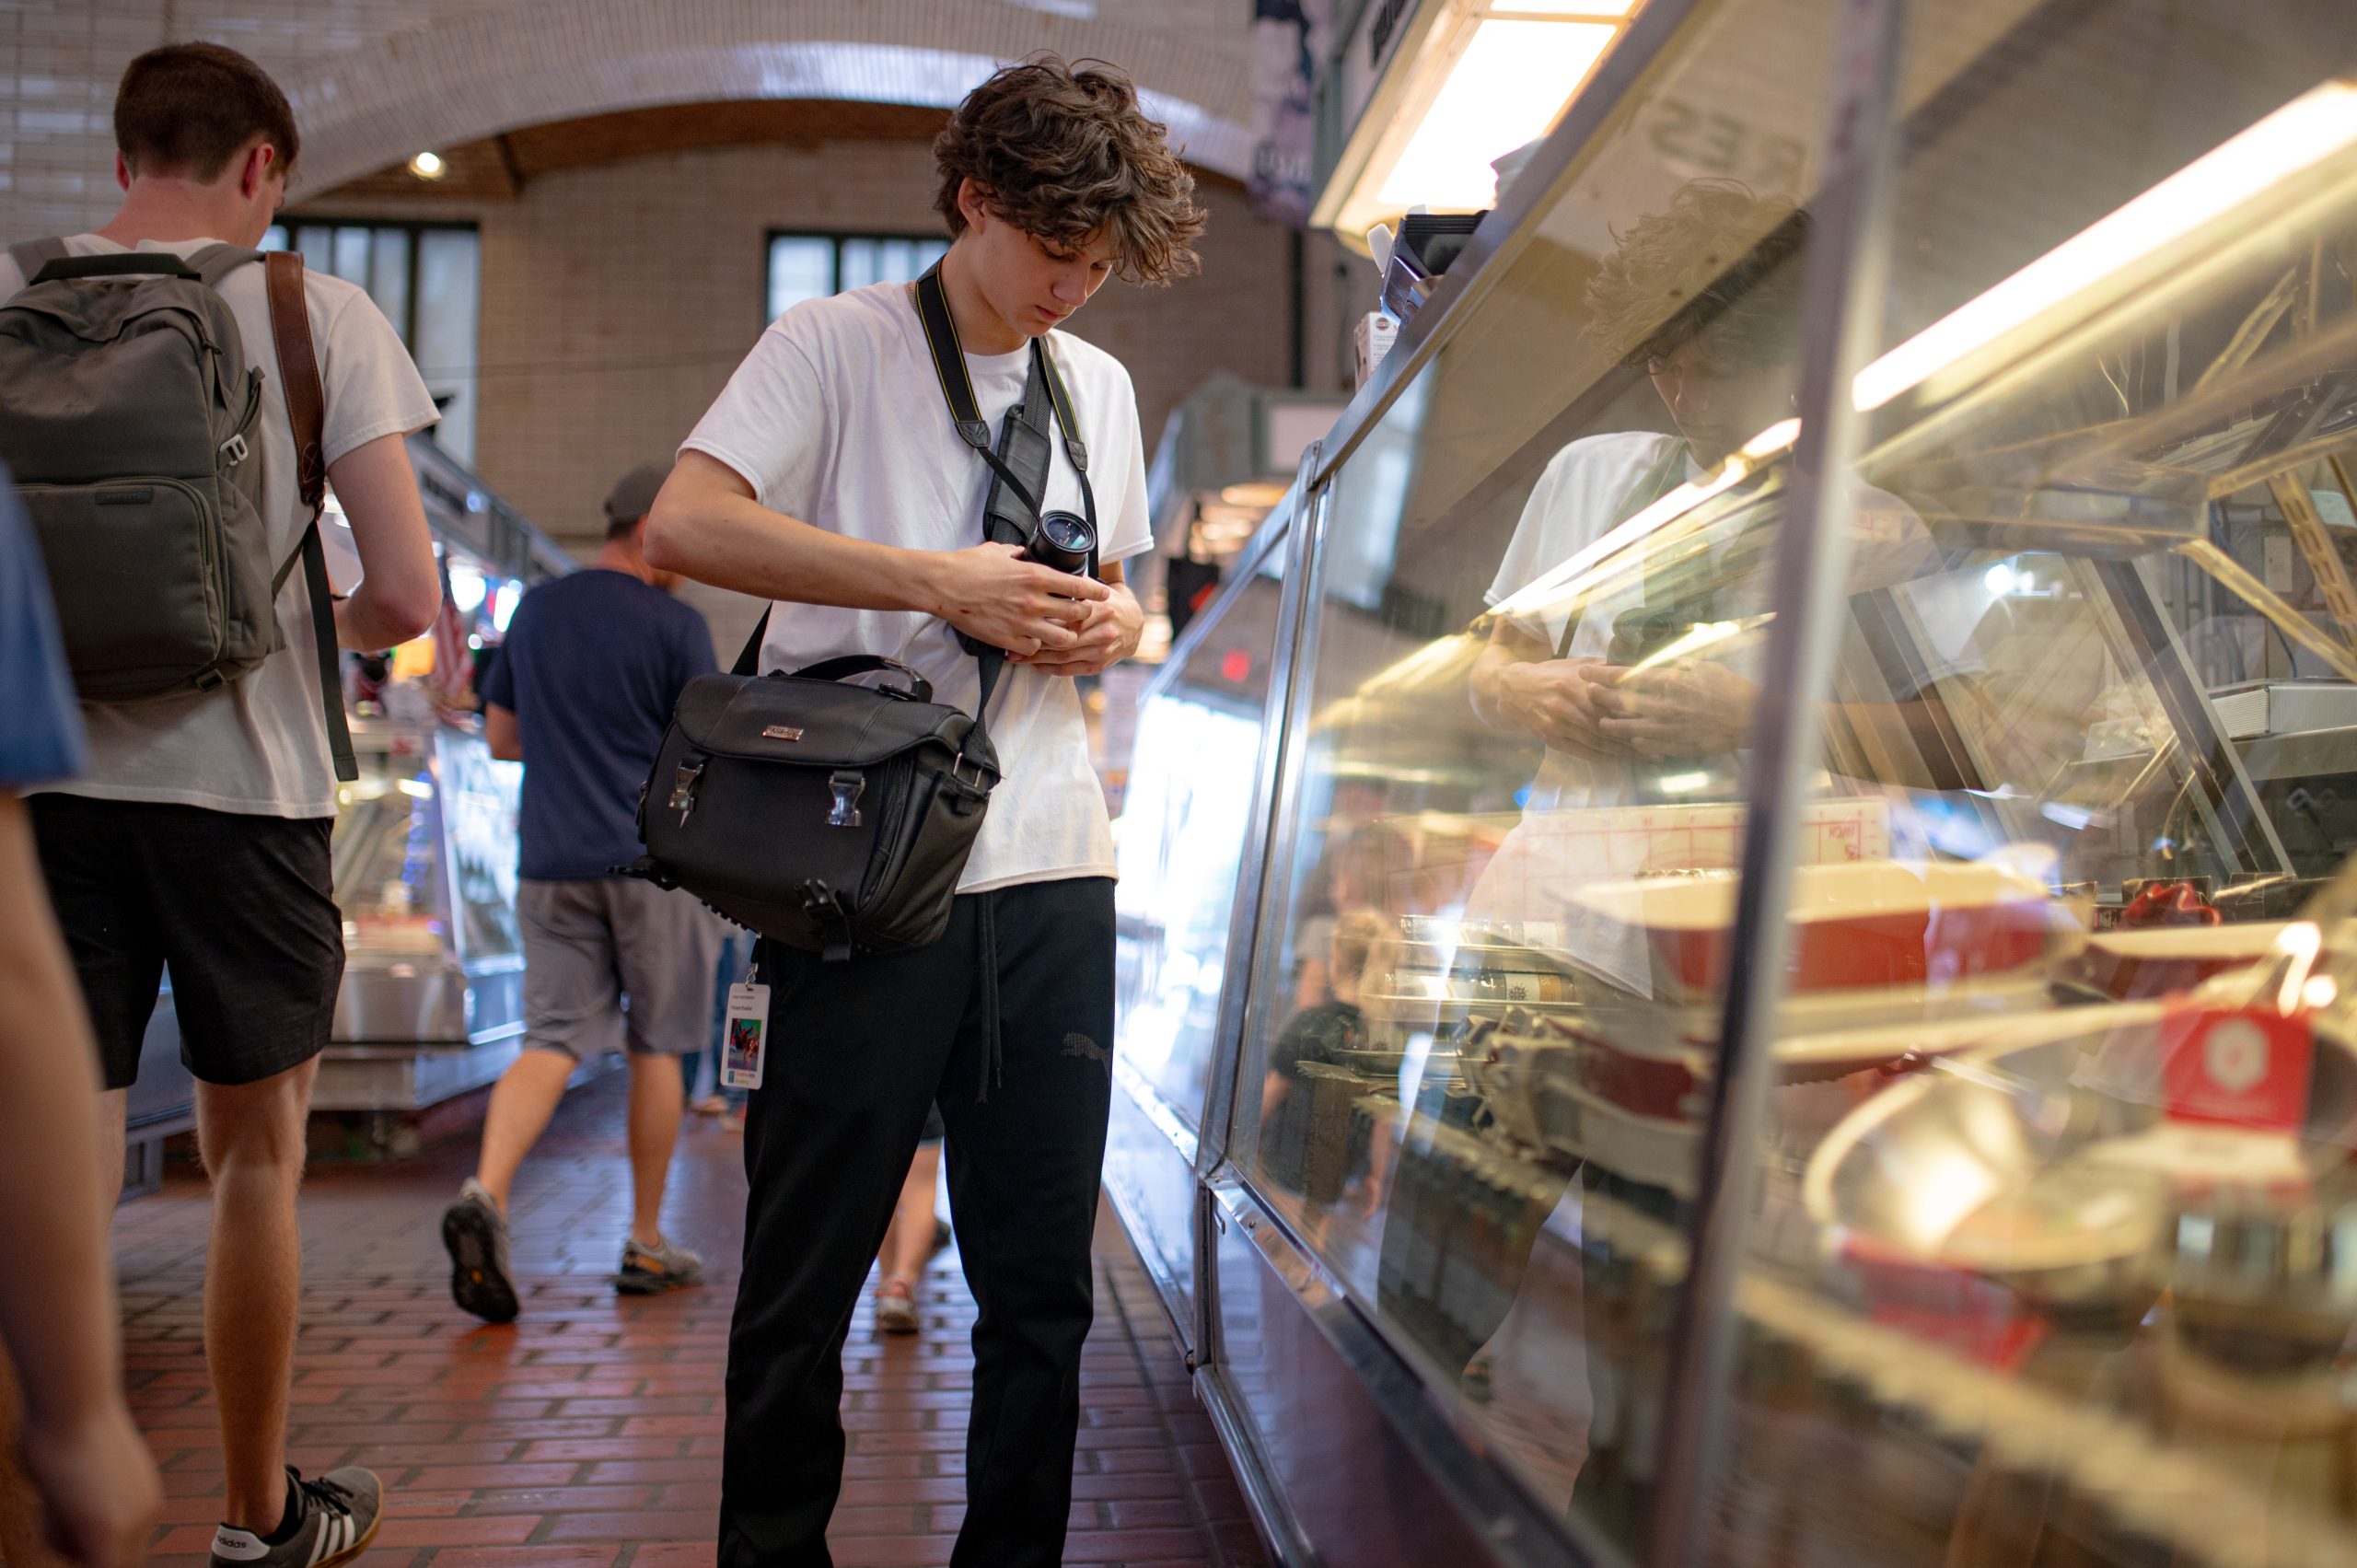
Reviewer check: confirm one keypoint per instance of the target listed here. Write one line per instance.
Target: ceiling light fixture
(1476, 80)
(428, 165)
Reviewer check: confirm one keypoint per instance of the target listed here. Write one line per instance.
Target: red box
(2245, 1069)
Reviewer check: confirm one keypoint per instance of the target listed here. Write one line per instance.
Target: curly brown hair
(1719, 260)
(1066, 153)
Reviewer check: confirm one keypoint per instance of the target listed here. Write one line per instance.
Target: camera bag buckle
(846, 787)
(834, 923)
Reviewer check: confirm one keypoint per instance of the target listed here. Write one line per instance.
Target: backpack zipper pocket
(137, 490)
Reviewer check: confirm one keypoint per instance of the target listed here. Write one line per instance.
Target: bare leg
(907, 1241)
(655, 1106)
(521, 1103)
(251, 1136)
(113, 1105)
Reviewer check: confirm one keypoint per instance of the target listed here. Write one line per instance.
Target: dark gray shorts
(239, 907)
(611, 963)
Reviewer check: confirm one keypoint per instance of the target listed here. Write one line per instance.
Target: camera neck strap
(958, 390)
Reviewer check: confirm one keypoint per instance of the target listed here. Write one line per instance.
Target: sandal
(896, 1308)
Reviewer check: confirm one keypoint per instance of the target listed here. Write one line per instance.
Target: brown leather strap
(298, 374)
(307, 411)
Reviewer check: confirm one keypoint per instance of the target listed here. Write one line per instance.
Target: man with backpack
(147, 375)
(839, 476)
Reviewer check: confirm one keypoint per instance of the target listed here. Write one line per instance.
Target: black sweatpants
(857, 1051)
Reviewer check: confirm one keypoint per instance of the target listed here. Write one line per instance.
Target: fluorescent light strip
(2303, 134)
(1599, 10)
(1512, 81)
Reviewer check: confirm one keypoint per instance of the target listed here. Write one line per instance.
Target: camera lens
(1063, 541)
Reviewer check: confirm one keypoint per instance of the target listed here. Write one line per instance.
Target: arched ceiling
(471, 78)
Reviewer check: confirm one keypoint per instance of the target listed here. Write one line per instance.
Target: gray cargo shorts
(610, 962)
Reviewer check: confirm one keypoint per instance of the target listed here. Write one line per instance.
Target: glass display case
(1788, 998)
(1199, 766)
(424, 860)
(425, 844)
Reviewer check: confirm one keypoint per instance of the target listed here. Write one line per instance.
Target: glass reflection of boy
(1724, 366)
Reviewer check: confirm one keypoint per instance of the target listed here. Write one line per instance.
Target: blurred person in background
(915, 1234)
(93, 1491)
(581, 695)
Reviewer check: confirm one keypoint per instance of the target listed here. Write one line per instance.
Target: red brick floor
(587, 1433)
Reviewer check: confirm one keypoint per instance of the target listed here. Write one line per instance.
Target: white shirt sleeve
(770, 422)
(1526, 553)
(1128, 528)
(372, 386)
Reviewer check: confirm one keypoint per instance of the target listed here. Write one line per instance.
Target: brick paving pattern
(587, 1433)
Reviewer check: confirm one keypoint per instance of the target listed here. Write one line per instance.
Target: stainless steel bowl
(2029, 1130)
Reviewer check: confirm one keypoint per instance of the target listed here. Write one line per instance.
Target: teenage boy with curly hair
(829, 479)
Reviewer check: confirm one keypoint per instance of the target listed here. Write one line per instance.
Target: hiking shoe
(651, 1271)
(476, 1234)
(339, 1515)
(896, 1308)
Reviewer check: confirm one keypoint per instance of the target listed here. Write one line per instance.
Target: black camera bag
(834, 818)
(827, 816)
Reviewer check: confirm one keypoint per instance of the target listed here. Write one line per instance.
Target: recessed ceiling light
(428, 165)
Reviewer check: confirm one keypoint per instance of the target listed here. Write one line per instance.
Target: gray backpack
(128, 419)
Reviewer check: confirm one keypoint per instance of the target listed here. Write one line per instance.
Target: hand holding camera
(992, 593)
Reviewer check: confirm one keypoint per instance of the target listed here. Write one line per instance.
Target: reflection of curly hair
(1721, 260)
(1066, 153)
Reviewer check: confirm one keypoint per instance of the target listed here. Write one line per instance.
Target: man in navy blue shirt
(88, 1469)
(581, 694)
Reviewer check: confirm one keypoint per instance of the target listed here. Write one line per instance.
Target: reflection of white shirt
(1562, 841)
(1577, 501)
(1580, 496)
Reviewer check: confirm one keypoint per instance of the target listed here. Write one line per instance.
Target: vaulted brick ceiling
(497, 167)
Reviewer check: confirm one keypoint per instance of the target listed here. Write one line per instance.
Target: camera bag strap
(958, 390)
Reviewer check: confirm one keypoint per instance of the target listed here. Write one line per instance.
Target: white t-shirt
(257, 746)
(836, 419)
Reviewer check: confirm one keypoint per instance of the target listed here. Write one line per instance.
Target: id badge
(745, 1043)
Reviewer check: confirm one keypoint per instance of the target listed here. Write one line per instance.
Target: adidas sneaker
(340, 1513)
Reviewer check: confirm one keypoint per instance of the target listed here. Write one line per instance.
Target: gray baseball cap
(633, 496)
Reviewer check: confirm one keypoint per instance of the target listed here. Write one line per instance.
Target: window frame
(836, 239)
(416, 228)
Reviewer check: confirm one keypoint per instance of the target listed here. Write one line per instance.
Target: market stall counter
(1778, 985)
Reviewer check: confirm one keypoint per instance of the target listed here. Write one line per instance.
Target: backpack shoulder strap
(34, 254)
(298, 375)
(217, 262)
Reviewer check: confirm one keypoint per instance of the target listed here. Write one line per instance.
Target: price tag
(744, 1041)
(2244, 1069)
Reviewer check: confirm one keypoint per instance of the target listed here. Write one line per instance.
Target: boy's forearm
(734, 541)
